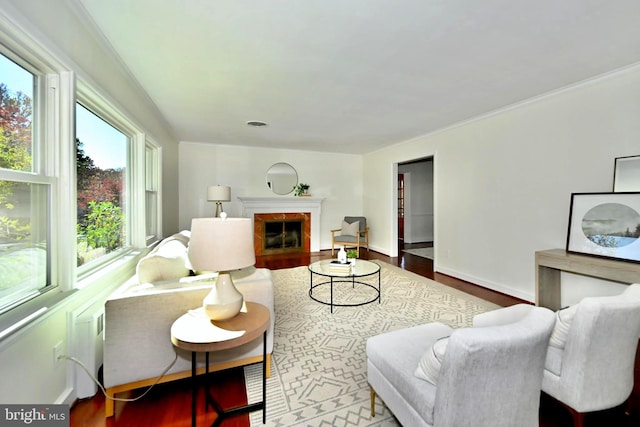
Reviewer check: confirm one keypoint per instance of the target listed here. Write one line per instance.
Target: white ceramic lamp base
(224, 301)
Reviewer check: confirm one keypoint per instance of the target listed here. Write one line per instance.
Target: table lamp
(222, 245)
(219, 194)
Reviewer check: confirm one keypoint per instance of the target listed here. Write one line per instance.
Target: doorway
(415, 213)
(400, 207)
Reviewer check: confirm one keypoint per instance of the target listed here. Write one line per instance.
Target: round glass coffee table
(362, 278)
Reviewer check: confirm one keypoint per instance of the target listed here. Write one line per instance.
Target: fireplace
(276, 233)
(252, 207)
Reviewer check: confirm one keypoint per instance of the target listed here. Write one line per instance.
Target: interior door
(401, 207)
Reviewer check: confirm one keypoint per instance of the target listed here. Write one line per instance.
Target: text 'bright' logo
(37, 415)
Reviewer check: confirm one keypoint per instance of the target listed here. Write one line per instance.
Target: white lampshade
(219, 193)
(218, 244)
(222, 245)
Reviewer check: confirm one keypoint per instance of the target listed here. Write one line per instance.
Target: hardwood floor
(169, 405)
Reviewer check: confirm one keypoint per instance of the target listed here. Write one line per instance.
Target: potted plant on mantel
(302, 190)
(352, 254)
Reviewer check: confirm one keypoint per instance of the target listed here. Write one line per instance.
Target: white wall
(26, 358)
(336, 177)
(503, 182)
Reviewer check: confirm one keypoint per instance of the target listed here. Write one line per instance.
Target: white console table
(550, 263)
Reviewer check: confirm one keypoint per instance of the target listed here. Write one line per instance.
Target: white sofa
(139, 315)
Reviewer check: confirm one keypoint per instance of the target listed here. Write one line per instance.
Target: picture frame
(605, 225)
(626, 174)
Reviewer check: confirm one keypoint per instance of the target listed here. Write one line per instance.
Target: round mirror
(282, 178)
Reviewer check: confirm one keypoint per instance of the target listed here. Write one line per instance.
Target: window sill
(99, 284)
(30, 311)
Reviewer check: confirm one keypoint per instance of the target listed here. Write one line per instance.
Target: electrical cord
(119, 399)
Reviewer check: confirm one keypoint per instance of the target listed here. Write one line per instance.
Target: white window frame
(134, 179)
(54, 88)
(152, 183)
(107, 116)
(54, 140)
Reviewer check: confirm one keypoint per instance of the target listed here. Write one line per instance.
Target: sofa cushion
(553, 361)
(184, 236)
(169, 261)
(632, 291)
(564, 317)
(429, 365)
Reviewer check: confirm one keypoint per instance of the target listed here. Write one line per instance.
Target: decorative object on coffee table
(342, 256)
(222, 245)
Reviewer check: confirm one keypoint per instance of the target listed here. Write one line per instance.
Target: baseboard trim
(486, 284)
(67, 397)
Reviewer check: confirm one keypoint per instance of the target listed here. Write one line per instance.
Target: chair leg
(578, 418)
(373, 402)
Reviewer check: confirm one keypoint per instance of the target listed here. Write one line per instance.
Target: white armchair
(590, 362)
(490, 374)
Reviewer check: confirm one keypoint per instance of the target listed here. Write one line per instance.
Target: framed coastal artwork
(605, 225)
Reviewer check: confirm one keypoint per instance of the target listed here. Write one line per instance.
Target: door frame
(395, 250)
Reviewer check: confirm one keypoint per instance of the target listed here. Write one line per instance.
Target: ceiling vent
(256, 123)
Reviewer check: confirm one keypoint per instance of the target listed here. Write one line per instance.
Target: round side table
(195, 332)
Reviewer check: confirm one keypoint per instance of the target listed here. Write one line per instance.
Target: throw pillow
(564, 317)
(429, 365)
(169, 262)
(633, 291)
(350, 229)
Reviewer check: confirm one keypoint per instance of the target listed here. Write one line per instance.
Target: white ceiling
(353, 76)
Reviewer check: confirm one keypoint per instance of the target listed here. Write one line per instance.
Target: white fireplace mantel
(258, 205)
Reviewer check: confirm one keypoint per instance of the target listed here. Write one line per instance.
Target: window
(24, 191)
(64, 218)
(101, 164)
(151, 192)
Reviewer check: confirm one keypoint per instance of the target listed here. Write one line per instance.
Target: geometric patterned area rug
(319, 363)
(421, 252)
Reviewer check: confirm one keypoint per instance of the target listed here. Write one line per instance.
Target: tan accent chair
(360, 239)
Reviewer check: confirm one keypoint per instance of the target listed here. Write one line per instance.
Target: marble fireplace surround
(269, 205)
(260, 221)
